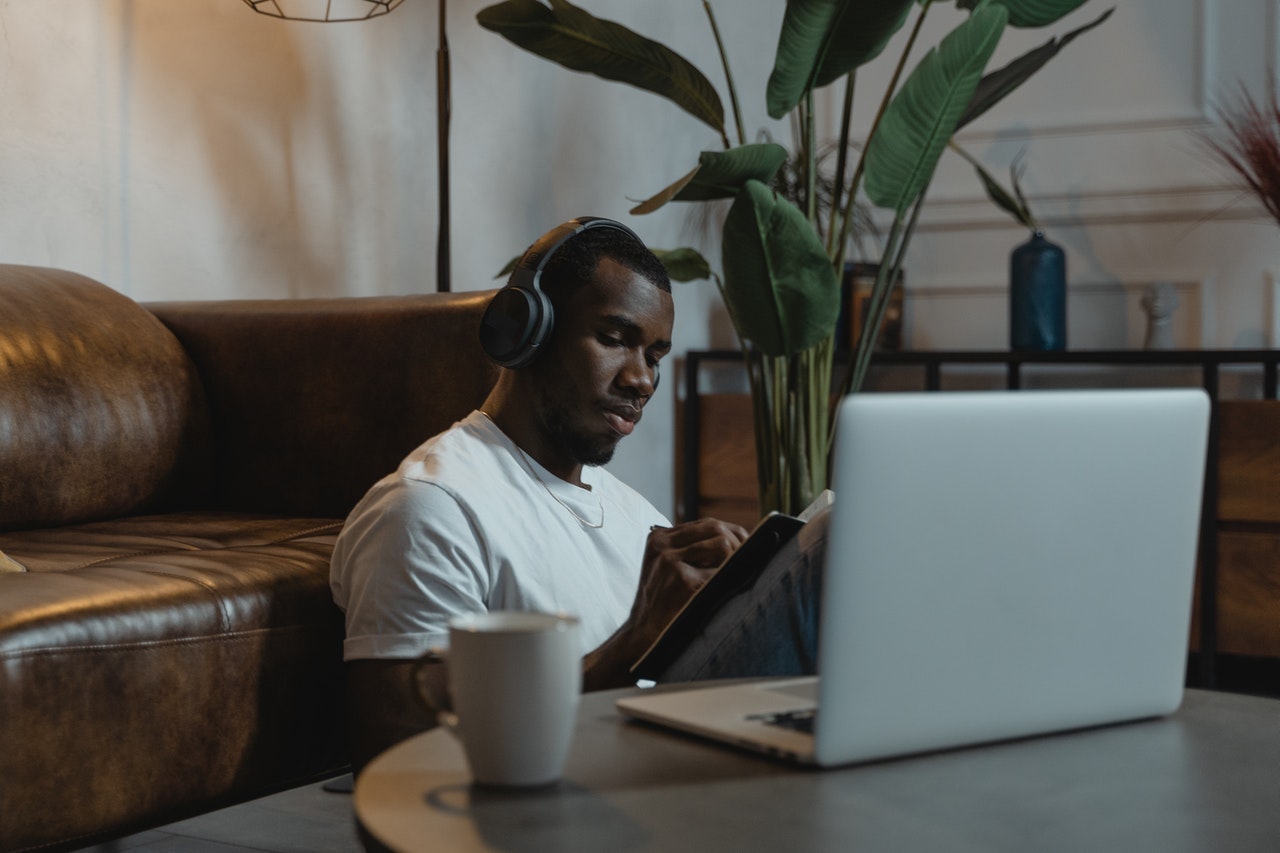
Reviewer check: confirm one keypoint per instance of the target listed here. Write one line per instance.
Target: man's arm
(677, 561)
(386, 545)
(384, 706)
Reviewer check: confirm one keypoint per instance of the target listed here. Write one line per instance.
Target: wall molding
(1191, 204)
(1084, 163)
(1100, 314)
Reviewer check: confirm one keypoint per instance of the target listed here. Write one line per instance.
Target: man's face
(600, 368)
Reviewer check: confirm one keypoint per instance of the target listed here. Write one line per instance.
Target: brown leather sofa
(172, 478)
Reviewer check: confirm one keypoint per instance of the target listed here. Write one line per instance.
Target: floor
(303, 820)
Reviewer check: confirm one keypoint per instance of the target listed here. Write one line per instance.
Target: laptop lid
(1003, 564)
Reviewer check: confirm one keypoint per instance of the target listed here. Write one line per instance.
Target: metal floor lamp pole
(443, 112)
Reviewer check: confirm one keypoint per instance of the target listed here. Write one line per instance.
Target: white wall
(1117, 169)
(195, 150)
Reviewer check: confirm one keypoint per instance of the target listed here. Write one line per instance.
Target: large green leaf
(578, 40)
(720, 174)
(779, 283)
(996, 85)
(1031, 13)
(666, 194)
(918, 123)
(822, 40)
(684, 264)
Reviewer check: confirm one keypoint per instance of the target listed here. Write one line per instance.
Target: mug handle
(437, 706)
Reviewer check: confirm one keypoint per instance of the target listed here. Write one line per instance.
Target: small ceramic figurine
(1159, 301)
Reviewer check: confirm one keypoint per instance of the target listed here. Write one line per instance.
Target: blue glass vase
(1038, 296)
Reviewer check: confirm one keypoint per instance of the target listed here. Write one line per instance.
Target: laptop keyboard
(798, 721)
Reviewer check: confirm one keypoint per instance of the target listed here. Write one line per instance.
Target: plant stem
(811, 164)
(885, 276)
(842, 161)
(800, 136)
(877, 305)
(889, 91)
(728, 76)
(754, 361)
(790, 395)
(818, 389)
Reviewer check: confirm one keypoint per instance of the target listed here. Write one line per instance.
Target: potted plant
(1037, 269)
(779, 259)
(1248, 144)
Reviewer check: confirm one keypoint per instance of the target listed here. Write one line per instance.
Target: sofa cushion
(153, 662)
(97, 400)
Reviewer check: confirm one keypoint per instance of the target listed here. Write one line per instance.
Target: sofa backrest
(313, 400)
(279, 406)
(100, 407)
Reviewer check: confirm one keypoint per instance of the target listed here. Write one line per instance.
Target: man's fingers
(708, 553)
(695, 578)
(703, 529)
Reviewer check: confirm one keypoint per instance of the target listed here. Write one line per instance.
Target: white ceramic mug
(515, 679)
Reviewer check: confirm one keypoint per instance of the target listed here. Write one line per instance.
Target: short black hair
(574, 263)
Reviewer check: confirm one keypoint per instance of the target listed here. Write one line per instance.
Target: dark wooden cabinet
(1235, 640)
(1248, 528)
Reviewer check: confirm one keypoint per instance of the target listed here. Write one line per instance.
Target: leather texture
(98, 402)
(172, 478)
(294, 385)
(154, 664)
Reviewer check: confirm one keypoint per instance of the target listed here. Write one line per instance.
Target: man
(509, 509)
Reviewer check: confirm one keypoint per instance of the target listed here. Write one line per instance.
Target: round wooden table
(1207, 778)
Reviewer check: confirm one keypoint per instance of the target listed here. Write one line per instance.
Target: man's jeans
(770, 628)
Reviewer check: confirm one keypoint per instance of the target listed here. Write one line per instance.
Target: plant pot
(1038, 296)
(855, 293)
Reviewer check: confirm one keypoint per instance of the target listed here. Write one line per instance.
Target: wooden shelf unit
(1236, 621)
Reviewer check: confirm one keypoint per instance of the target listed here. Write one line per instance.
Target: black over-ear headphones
(520, 318)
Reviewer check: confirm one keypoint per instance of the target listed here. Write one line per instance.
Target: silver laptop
(999, 565)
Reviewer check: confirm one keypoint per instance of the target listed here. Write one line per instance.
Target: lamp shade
(323, 10)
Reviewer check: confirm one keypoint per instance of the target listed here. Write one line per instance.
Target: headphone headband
(520, 316)
(537, 256)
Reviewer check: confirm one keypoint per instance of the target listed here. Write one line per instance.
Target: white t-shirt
(470, 523)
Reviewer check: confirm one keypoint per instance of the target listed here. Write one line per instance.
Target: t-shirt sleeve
(407, 562)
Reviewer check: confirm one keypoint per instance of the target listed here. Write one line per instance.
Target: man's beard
(579, 446)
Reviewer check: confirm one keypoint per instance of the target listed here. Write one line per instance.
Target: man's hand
(677, 561)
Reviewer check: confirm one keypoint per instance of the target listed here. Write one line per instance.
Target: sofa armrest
(100, 409)
(312, 400)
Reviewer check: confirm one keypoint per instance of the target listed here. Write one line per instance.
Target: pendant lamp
(323, 10)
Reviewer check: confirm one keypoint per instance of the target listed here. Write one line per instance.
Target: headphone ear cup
(520, 317)
(516, 323)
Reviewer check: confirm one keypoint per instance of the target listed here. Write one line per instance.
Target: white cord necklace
(528, 464)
